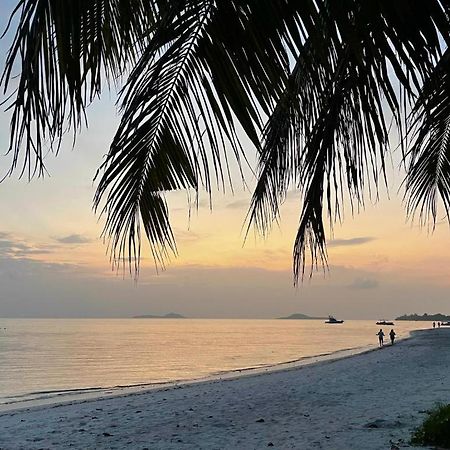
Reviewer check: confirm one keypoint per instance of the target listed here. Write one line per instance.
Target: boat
(331, 319)
(385, 322)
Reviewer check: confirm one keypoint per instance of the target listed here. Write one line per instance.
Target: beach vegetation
(435, 430)
(425, 317)
(317, 88)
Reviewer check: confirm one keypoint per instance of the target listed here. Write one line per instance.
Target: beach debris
(261, 420)
(395, 445)
(382, 423)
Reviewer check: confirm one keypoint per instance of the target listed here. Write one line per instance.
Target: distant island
(425, 317)
(299, 316)
(166, 316)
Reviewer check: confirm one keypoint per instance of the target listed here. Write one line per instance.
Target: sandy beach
(368, 401)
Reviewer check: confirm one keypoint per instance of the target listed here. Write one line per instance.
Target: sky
(54, 264)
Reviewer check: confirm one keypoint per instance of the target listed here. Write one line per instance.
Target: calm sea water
(44, 357)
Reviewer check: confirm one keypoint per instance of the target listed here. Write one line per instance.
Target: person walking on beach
(434, 324)
(380, 335)
(392, 336)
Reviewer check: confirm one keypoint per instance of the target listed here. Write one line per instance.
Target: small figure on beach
(380, 335)
(392, 336)
(439, 324)
(434, 324)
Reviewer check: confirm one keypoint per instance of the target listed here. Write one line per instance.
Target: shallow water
(44, 357)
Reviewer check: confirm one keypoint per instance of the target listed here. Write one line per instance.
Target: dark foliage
(435, 430)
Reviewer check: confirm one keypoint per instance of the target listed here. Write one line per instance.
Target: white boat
(331, 319)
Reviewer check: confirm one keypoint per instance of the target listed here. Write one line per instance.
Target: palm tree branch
(153, 123)
(62, 48)
(428, 176)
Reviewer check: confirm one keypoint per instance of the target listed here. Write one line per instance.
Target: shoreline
(80, 395)
(366, 401)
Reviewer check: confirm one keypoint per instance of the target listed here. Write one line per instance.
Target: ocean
(47, 358)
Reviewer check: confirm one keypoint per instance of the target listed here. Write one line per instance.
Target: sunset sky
(52, 262)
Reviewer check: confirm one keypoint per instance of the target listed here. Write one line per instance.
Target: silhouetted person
(392, 336)
(439, 324)
(380, 335)
(434, 324)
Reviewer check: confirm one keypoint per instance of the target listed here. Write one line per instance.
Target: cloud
(17, 259)
(364, 283)
(21, 267)
(238, 204)
(12, 248)
(188, 236)
(350, 242)
(73, 239)
(192, 205)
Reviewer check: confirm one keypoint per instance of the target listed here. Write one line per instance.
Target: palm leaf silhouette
(315, 85)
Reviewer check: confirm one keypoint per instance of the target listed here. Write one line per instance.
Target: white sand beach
(363, 402)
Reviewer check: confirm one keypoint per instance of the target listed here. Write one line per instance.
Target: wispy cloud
(73, 239)
(11, 247)
(188, 236)
(238, 204)
(364, 283)
(350, 242)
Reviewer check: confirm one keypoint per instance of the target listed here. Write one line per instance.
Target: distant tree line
(430, 317)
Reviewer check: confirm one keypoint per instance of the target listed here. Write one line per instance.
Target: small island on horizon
(165, 316)
(425, 317)
(299, 316)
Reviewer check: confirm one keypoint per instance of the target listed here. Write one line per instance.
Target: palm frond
(195, 80)
(329, 130)
(314, 85)
(159, 121)
(65, 50)
(428, 177)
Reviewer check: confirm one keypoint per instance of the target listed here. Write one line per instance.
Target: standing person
(380, 335)
(392, 336)
(434, 324)
(439, 324)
